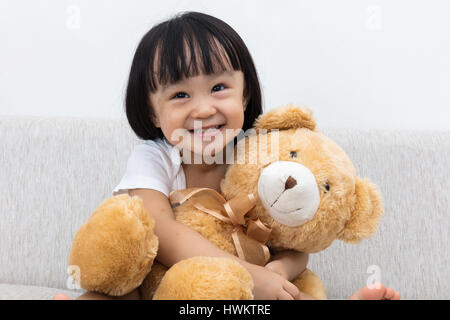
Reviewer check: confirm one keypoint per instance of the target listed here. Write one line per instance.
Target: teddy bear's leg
(206, 278)
(309, 283)
(114, 250)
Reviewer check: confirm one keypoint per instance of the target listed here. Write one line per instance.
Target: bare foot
(376, 291)
(61, 296)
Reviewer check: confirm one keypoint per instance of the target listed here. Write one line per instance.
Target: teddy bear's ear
(286, 117)
(366, 214)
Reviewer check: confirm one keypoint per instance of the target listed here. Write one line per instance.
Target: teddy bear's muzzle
(289, 192)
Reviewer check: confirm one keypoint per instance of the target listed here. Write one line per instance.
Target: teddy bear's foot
(309, 283)
(114, 250)
(206, 278)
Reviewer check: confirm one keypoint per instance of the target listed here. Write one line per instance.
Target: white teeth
(206, 130)
(209, 129)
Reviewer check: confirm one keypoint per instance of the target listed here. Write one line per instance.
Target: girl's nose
(203, 110)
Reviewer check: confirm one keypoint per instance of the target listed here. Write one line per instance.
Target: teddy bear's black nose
(290, 183)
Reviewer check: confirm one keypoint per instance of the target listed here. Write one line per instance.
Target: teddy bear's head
(305, 185)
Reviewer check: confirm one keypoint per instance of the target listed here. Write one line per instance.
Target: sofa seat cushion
(25, 292)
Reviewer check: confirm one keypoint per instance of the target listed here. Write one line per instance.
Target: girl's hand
(271, 286)
(278, 267)
(288, 263)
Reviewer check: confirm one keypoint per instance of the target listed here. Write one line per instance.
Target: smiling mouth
(218, 126)
(289, 211)
(209, 131)
(282, 211)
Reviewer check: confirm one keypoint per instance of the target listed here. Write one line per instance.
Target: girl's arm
(288, 263)
(178, 242)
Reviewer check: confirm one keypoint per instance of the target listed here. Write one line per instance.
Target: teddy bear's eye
(293, 154)
(326, 186)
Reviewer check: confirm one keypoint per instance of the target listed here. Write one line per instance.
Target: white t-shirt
(154, 164)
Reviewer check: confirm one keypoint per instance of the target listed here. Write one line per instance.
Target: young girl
(195, 72)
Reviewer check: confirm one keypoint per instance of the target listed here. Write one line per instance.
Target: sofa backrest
(56, 171)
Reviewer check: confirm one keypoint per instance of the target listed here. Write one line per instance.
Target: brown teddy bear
(290, 187)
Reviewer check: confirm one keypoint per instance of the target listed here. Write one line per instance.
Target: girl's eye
(178, 95)
(219, 85)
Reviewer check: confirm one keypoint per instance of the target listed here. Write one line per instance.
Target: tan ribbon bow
(250, 245)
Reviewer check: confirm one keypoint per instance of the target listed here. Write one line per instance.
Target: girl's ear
(155, 121)
(366, 213)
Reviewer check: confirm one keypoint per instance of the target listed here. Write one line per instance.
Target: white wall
(365, 64)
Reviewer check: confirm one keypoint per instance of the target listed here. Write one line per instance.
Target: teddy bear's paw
(115, 249)
(308, 282)
(206, 278)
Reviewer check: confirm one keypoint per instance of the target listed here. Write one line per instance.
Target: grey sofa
(56, 171)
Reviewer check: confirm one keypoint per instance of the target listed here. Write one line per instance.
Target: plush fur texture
(218, 279)
(117, 243)
(114, 250)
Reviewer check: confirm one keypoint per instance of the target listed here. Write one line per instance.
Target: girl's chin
(207, 152)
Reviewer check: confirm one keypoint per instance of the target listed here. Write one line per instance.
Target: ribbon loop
(249, 249)
(250, 246)
(238, 207)
(258, 231)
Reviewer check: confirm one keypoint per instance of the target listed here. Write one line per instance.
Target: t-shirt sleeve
(145, 169)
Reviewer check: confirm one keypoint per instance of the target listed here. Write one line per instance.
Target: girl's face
(198, 103)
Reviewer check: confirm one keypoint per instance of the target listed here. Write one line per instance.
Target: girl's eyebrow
(214, 75)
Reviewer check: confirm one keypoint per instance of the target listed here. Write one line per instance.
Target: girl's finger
(291, 289)
(284, 295)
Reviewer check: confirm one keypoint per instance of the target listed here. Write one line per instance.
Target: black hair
(168, 41)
